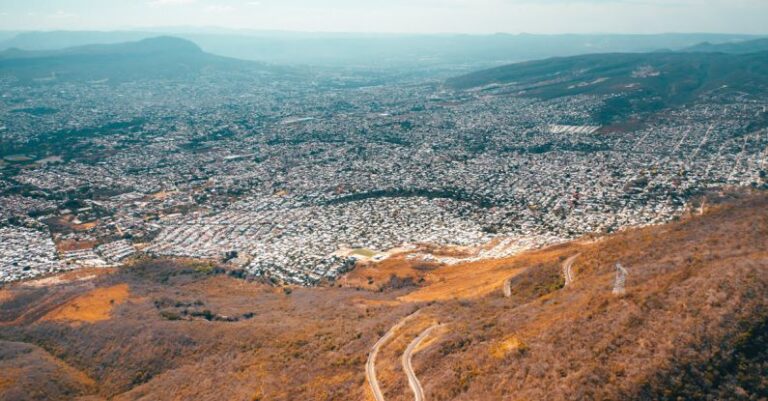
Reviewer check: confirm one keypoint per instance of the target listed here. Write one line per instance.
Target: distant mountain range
(153, 58)
(57, 40)
(648, 81)
(448, 51)
(739, 47)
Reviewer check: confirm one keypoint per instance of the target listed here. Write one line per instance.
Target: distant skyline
(395, 16)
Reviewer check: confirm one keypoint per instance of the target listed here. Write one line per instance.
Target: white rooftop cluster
(116, 251)
(26, 253)
(573, 129)
(286, 174)
(297, 242)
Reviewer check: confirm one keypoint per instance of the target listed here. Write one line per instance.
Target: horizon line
(185, 29)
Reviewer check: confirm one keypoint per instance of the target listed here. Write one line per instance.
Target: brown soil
(92, 307)
(72, 245)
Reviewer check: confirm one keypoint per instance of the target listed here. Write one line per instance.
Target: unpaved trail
(370, 365)
(407, 359)
(568, 269)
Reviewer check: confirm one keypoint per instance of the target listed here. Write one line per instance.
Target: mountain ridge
(377, 50)
(643, 81)
(163, 57)
(737, 47)
(154, 45)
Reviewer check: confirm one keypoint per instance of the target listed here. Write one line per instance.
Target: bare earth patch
(77, 275)
(92, 307)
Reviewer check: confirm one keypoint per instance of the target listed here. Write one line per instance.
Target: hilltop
(690, 325)
(734, 47)
(637, 82)
(162, 57)
(452, 52)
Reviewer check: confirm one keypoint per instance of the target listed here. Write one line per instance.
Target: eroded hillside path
(370, 365)
(568, 269)
(407, 359)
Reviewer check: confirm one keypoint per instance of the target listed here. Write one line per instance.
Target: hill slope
(738, 47)
(154, 58)
(378, 50)
(53, 40)
(691, 325)
(646, 81)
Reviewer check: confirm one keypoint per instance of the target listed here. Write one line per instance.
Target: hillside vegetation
(691, 325)
(637, 83)
(166, 58)
(733, 47)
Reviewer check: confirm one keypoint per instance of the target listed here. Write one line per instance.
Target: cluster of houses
(276, 182)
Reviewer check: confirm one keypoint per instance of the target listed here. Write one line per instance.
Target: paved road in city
(567, 269)
(370, 365)
(413, 381)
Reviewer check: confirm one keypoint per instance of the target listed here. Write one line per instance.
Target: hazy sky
(469, 16)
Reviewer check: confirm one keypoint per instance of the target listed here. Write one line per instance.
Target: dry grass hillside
(688, 327)
(692, 325)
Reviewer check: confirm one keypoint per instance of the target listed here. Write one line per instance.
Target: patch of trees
(456, 194)
(64, 142)
(396, 283)
(537, 281)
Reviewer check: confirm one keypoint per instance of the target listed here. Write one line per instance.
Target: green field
(363, 252)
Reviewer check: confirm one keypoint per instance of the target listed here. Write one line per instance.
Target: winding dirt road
(370, 365)
(567, 269)
(413, 381)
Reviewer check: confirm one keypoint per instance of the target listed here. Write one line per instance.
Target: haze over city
(396, 16)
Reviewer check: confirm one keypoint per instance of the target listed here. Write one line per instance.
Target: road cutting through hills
(568, 269)
(370, 365)
(407, 359)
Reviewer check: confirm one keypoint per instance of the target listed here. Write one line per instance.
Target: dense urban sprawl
(278, 180)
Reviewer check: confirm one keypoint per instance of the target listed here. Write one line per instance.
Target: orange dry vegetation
(371, 275)
(504, 347)
(72, 245)
(433, 338)
(452, 283)
(9, 377)
(477, 279)
(695, 294)
(460, 281)
(92, 307)
(85, 274)
(389, 372)
(40, 373)
(85, 226)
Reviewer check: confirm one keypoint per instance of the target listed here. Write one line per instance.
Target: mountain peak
(166, 43)
(162, 57)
